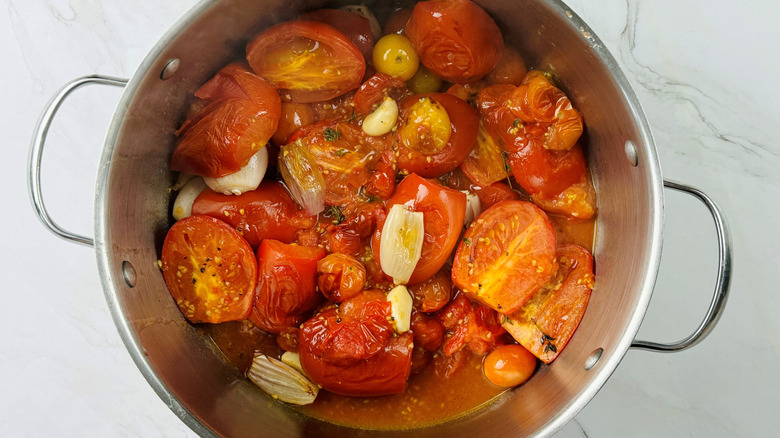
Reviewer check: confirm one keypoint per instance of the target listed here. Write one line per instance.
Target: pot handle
(36, 152)
(721, 283)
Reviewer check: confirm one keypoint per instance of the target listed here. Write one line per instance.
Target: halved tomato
(354, 26)
(577, 202)
(485, 163)
(210, 270)
(306, 61)
(506, 255)
(546, 323)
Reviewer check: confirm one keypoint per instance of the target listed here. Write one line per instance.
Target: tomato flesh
(209, 269)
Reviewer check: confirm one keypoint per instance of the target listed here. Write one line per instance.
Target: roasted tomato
(457, 39)
(351, 350)
(397, 22)
(340, 277)
(546, 323)
(294, 116)
(485, 163)
(443, 212)
(446, 366)
(428, 331)
(353, 25)
(375, 89)
(209, 269)
(509, 365)
(306, 61)
(471, 325)
(495, 193)
(436, 133)
(265, 212)
(433, 293)
(578, 201)
(285, 285)
(511, 68)
(506, 255)
(240, 117)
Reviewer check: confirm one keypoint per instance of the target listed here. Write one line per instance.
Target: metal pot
(186, 369)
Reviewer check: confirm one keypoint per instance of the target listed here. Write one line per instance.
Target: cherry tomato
(340, 277)
(428, 332)
(546, 323)
(209, 269)
(443, 212)
(288, 339)
(511, 68)
(505, 256)
(509, 365)
(374, 90)
(485, 163)
(436, 133)
(471, 325)
(495, 193)
(576, 202)
(355, 26)
(397, 22)
(242, 114)
(268, 211)
(457, 40)
(294, 116)
(394, 55)
(350, 349)
(285, 285)
(446, 366)
(433, 293)
(468, 92)
(424, 81)
(306, 61)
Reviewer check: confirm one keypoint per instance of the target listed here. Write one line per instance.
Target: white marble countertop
(706, 74)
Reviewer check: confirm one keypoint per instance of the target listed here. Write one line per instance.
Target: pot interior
(182, 363)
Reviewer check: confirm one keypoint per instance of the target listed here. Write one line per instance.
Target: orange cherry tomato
(340, 277)
(294, 116)
(509, 365)
(354, 26)
(506, 255)
(457, 40)
(306, 61)
(546, 323)
(511, 68)
(242, 114)
(210, 270)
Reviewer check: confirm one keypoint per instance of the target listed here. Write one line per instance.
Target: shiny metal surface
(722, 281)
(36, 153)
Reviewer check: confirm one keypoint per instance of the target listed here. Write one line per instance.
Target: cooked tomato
(485, 163)
(355, 26)
(495, 193)
(285, 285)
(433, 293)
(546, 323)
(242, 114)
(436, 133)
(351, 350)
(287, 339)
(468, 92)
(511, 68)
(340, 277)
(306, 61)
(397, 22)
(294, 116)
(445, 366)
(424, 81)
(374, 90)
(443, 212)
(457, 39)
(506, 255)
(509, 365)
(394, 55)
(471, 325)
(267, 212)
(428, 331)
(576, 202)
(210, 270)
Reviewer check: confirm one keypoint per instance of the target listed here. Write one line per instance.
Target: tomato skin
(511, 68)
(509, 365)
(464, 123)
(350, 349)
(546, 323)
(374, 90)
(293, 55)
(505, 256)
(204, 261)
(433, 293)
(443, 212)
(495, 193)
(340, 277)
(240, 100)
(285, 286)
(294, 116)
(267, 212)
(354, 26)
(457, 40)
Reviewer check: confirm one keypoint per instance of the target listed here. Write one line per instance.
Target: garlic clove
(182, 205)
(401, 243)
(382, 120)
(281, 381)
(400, 308)
(473, 207)
(294, 360)
(248, 178)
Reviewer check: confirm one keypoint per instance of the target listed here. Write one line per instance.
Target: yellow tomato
(394, 55)
(424, 81)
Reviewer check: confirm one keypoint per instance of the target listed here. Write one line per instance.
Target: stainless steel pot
(186, 369)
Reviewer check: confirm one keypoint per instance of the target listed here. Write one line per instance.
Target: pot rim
(131, 341)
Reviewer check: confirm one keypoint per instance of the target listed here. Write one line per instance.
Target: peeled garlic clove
(382, 120)
(303, 177)
(245, 180)
(182, 206)
(473, 207)
(364, 11)
(294, 360)
(400, 246)
(281, 381)
(400, 308)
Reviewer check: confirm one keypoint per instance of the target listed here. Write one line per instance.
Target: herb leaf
(335, 214)
(331, 134)
(340, 152)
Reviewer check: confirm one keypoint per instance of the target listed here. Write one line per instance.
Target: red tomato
(209, 269)
(353, 25)
(397, 22)
(471, 325)
(511, 68)
(241, 116)
(505, 256)
(285, 286)
(576, 202)
(445, 366)
(467, 92)
(419, 143)
(382, 181)
(546, 323)
(428, 332)
(443, 212)
(350, 349)
(267, 212)
(288, 339)
(509, 365)
(294, 116)
(495, 193)
(457, 40)
(340, 277)
(374, 90)
(433, 293)
(485, 163)
(306, 61)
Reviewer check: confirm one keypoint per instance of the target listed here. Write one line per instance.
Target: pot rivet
(633, 159)
(128, 271)
(593, 359)
(170, 68)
